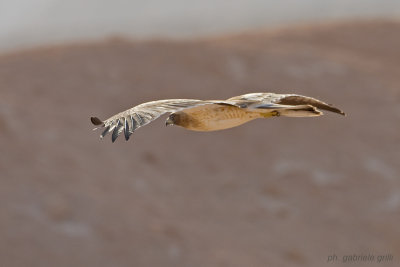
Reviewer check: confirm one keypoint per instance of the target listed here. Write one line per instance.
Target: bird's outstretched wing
(290, 105)
(280, 101)
(128, 121)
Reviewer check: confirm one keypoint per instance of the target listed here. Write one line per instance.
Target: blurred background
(278, 192)
(26, 23)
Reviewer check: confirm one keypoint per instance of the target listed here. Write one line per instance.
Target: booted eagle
(213, 115)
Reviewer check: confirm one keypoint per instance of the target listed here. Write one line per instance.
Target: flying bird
(213, 115)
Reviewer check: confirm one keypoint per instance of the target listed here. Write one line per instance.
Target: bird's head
(173, 119)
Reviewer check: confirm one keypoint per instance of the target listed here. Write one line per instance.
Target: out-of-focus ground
(277, 192)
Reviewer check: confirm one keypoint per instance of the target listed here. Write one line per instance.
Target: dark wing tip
(114, 135)
(96, 121)
(335, 110)
(305, 100)
(127, 134)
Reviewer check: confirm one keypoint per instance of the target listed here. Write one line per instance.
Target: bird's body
(213, 115)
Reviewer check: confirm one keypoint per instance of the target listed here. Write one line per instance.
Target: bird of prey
(212, 115)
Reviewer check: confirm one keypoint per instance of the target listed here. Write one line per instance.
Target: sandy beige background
(278, 192)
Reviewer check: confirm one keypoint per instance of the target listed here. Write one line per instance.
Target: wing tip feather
(336, 110)
(96, 121)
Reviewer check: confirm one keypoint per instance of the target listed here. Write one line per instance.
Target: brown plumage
(212, 115)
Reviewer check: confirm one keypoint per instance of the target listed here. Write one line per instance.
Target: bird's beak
(169, 122)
